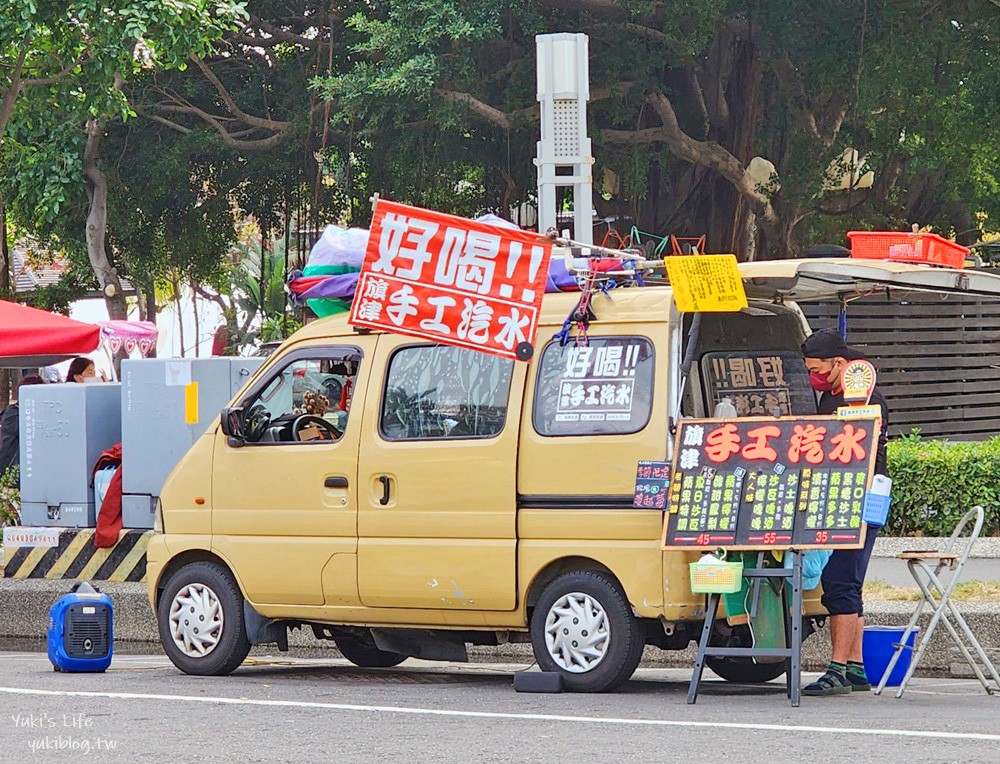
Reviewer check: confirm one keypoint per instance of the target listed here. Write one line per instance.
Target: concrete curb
(890, 546)
(24, 608)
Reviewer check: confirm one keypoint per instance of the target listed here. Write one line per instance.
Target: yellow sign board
(706, 283)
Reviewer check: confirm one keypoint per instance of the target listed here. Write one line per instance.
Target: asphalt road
(320, 710)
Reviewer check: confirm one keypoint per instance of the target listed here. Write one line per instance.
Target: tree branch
(835, 108)
(206, 295)
(56, 77)
(853, 199)
(258, 144)
(164, 121)
(227, 99)
(791, 84)
(699, 98)
(644, 136)
(675, 46)
(702, 153)
(602, 7)
(508, 120)
(284, 35)
(489, 113)
(13, 89)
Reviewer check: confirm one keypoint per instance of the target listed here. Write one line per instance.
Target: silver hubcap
(577, 632)
(196, 620)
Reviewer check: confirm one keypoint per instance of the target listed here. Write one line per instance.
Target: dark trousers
(844, 576)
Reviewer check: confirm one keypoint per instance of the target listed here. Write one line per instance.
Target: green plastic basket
(716, 578)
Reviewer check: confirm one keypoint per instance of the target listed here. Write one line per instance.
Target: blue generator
(81, 631)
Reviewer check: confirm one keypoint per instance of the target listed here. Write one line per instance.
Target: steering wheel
(255, 423)
(305, 420)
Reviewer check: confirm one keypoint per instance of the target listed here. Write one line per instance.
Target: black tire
(622, 649)
(744, 670)
(363, 652)
(231, 645)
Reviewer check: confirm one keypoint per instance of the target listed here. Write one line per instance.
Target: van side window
(441, 392)
(307, 400)
(603, 388)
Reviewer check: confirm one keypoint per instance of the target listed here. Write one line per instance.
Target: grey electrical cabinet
(166, 405)
(64, 429)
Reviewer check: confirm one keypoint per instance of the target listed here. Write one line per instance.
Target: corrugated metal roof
(29, 276)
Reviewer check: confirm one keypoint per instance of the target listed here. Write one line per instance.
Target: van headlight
(157, 517)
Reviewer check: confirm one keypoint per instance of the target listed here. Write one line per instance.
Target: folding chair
(937, 594)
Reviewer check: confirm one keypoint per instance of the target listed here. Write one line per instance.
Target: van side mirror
(232, 425)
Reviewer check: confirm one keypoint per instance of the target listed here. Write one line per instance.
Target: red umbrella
(32, 337)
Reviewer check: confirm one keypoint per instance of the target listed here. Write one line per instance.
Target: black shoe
(831, 683)
(858, 683)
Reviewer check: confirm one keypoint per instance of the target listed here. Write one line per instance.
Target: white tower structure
(564, 153)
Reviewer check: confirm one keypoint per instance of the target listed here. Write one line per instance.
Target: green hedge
(935, 482)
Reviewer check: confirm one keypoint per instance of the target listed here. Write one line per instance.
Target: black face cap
(827, 343)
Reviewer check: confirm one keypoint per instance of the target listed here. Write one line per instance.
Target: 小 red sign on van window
(452, 280)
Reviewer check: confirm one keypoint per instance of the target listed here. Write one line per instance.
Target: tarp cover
(32, 337)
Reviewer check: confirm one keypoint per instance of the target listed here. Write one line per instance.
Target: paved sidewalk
(894, 572)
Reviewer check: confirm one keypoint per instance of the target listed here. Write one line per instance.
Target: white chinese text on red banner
(452, 280)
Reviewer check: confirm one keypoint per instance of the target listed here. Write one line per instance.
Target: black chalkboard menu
(772, 384)
(759, 483)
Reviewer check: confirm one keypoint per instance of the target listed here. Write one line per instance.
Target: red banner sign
(452, 280)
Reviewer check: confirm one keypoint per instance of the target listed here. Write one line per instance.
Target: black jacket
(10, 442)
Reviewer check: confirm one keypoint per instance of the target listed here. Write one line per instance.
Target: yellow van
(405, 499)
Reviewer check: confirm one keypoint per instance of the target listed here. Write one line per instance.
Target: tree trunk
(5, 291)
(689, 198)
(6, 266)
(180, 318)
(197, 324)
(97, 225)
(150, 299)
(775, 238)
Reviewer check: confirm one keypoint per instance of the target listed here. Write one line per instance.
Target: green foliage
(255, 301)
(934, 483)
(166, 217)
(74, 282)
(10, 497)
(796, 83)
(77, 57)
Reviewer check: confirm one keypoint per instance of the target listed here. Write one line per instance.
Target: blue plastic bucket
(877, 646)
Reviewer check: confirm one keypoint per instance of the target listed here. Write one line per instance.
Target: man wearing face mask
(826, 355)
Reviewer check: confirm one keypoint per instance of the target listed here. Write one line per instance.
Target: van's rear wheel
(744, 670)
(361, 651)
(200, 617)
(583, 628)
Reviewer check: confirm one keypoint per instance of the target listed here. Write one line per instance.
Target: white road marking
(417, 711)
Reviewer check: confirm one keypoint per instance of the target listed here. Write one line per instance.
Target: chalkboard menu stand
(792, 652)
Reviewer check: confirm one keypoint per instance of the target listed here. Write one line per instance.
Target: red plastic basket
(926, 248)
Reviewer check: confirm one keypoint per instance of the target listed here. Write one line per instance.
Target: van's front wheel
(200, 617)
(584, 628)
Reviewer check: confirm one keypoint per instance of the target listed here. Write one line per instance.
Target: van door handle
(384, 480)
(335, 482)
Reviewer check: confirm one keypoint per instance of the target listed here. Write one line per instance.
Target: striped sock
(838, 668)
(856, 670)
